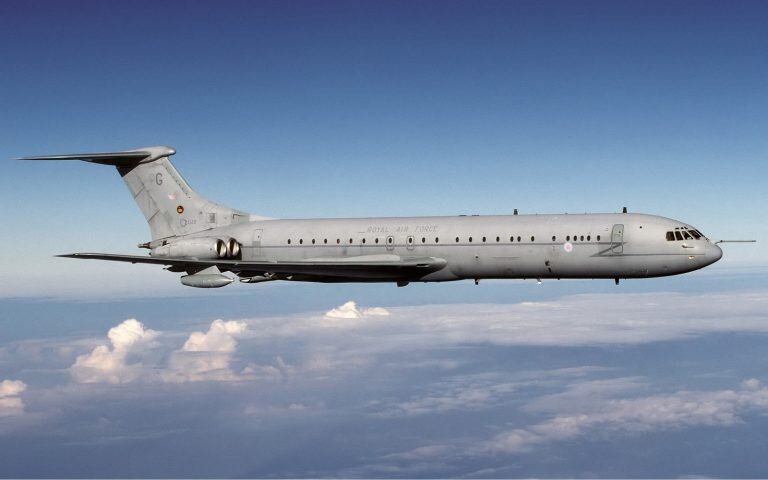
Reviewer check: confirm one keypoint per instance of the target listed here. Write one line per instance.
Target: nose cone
(713, 254)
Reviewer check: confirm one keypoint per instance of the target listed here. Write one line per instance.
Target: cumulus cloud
(207, 356)
(220, 337)
(644, 414)
(105, 364)
(10, 397)
(350, 310)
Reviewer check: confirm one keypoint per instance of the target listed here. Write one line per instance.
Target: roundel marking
(568, 247)
(179, 209)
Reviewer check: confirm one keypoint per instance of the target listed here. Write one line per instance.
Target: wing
(379, 267)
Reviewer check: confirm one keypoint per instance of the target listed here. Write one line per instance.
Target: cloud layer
(635, 415)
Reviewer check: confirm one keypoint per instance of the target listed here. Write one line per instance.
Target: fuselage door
(617, 239)
(256, 243)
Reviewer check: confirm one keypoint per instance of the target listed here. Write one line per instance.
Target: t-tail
(167, 201)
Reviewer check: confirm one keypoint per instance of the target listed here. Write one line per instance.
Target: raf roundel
(568, 247)
(179, 209)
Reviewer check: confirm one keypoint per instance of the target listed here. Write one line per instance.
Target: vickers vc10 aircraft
(203, 239)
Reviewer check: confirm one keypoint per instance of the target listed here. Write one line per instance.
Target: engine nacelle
(200, 248)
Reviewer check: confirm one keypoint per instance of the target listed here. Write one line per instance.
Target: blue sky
(311, 109)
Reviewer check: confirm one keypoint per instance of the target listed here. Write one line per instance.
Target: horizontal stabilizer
(143, 155)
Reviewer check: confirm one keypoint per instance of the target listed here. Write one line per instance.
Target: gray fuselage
(479, 247)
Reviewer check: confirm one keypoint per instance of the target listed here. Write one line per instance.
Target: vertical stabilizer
(167, 201)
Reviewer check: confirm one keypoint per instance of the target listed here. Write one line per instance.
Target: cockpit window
(687, 235)
(678, 235)
(670, 236)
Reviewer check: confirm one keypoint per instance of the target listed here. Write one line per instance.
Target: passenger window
(350, 241)
(457, 239)
(301, 240)
(678, 235)
(483, 239)
(376, 240)
(363, 240)
(313, 241)
(338, 241)
(554, 238)
(519, 238)
(533, 238)
(325, 240)
(423, 239)
(687, 235)
(389, 240)
(437, 240)
(598, 238)
(498, 239)
(470, 239)
(511, 239)
(568, 238)
(289, 241)
(589, 237)
(410, 240)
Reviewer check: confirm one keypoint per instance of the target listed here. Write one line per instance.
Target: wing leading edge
(383, 267)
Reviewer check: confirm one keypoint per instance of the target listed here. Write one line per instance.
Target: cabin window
(470, 239)
(483, 239)
(554, 238)
(582, 238)
(410, 240)
(301, 240)
(678, 235)
(390, 240)
(338, 241)
(289, 241)
(519, 238)
(325, 240)
(512, 239)
(598, 238)
(437, 240)
(423, 239)
(376, 240)
(350, 241)
(457, 239)
(498, 239)
(533, 238)
(363, 240)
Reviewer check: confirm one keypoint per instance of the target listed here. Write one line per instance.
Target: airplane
(202, 239)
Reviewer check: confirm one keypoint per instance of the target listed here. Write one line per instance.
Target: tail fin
(167, 201)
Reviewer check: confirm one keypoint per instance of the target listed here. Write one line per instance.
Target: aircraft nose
(714, 253)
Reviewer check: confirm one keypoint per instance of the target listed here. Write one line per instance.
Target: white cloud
(220, 337)
(110, 365)
(10, 397)
(651, 413)
(350, 310)
(207, 356)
